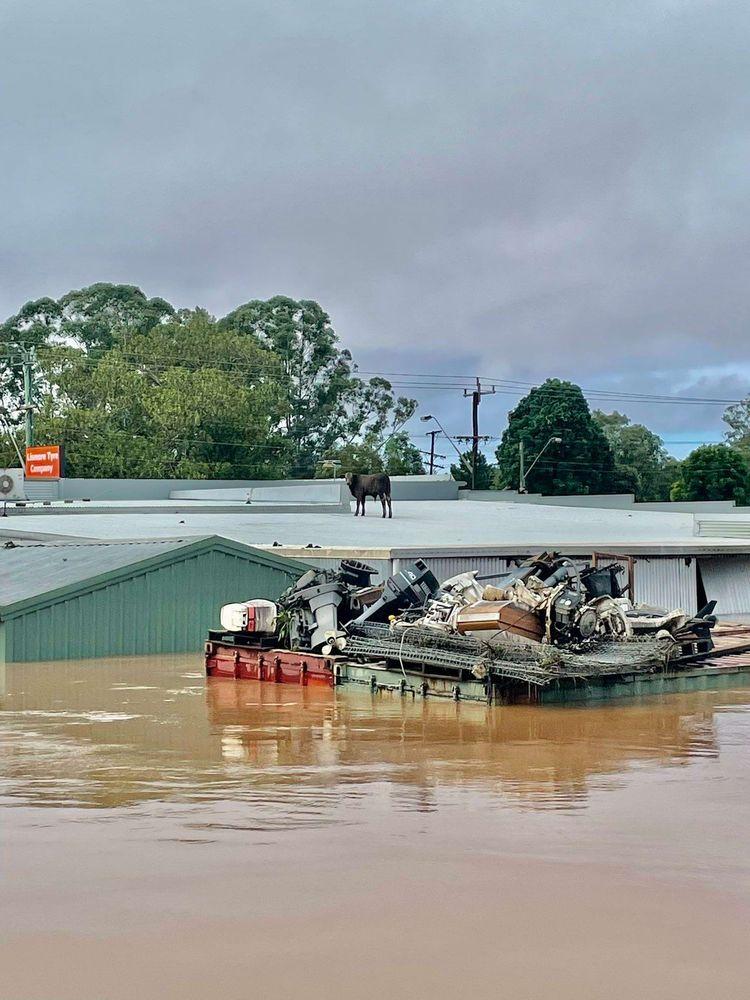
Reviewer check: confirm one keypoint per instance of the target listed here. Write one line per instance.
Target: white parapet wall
(606, 501)
(404, 488)
(333, 491)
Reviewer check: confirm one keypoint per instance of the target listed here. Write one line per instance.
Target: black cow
(378, 487)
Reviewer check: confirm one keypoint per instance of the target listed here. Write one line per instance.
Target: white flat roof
(427, 524)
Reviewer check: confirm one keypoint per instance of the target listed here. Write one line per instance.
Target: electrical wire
(406, 380)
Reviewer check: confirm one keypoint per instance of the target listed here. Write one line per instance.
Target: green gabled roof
(36, 574)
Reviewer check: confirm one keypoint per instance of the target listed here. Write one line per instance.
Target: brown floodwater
(164, 836)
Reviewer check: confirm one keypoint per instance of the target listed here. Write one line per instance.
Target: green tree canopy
(397, 456)
(104, 314)
(359, 457)
(90, 317)
(87, 318)
(326, 404)
(737, 417)
(484, 479)
(642, 464)
(32, 326)
(133, 387)
(401, 457)
(713, 472)
(165, 405)
(582, 463)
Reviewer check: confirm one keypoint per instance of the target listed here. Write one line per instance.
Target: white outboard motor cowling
(249, 616)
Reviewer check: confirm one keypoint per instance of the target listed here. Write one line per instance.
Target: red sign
(44, 462)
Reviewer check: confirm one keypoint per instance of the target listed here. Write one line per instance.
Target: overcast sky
(511, 189)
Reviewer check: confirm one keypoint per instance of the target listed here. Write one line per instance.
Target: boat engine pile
(547, 620)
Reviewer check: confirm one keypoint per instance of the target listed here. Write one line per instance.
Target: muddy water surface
(164, 836)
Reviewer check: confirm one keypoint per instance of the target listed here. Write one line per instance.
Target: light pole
(461, 459)
(522, 471)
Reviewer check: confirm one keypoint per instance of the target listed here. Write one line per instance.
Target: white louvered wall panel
(734, 527)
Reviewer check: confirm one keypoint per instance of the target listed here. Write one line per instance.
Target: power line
(414, 380)
(515, 386)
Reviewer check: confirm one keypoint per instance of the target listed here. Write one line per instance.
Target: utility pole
(26, 357)
(432, 435)
(461, 459)
(29, 358)
(476, 399)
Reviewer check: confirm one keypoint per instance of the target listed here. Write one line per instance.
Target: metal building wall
(662, 581)
(166, 609)
(383, 567)
(667, 582)
(445, 567)
(726, 580)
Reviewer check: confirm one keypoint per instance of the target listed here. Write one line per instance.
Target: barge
(550, 632)
(727, 668)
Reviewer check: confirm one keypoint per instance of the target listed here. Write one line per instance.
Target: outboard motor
(321, 601)
(411, 587)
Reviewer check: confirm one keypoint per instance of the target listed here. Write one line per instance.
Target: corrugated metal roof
(28, 569)
(31, 572)
(88, 600)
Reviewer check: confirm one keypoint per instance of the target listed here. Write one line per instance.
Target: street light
(523, 473)
(462, 460)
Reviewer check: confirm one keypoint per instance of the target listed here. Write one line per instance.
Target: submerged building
(115, 567)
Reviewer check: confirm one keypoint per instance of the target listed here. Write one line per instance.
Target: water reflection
(533, 755)
(141, 730)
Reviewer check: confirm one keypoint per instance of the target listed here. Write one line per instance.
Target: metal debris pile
(548, 619)
(411, 646)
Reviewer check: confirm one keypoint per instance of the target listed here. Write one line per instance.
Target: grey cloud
(523, 188)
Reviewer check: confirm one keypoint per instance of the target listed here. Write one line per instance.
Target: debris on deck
(550, 625)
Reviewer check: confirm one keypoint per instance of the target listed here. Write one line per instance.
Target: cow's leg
(382, 501)
(390, 507)
(359, 504)
(364, 501)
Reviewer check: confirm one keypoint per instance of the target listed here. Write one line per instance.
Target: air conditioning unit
(11, 485)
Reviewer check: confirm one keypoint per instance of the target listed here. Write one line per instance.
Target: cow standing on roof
(378, 487)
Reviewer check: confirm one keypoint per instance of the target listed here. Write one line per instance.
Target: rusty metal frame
(615, 557)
